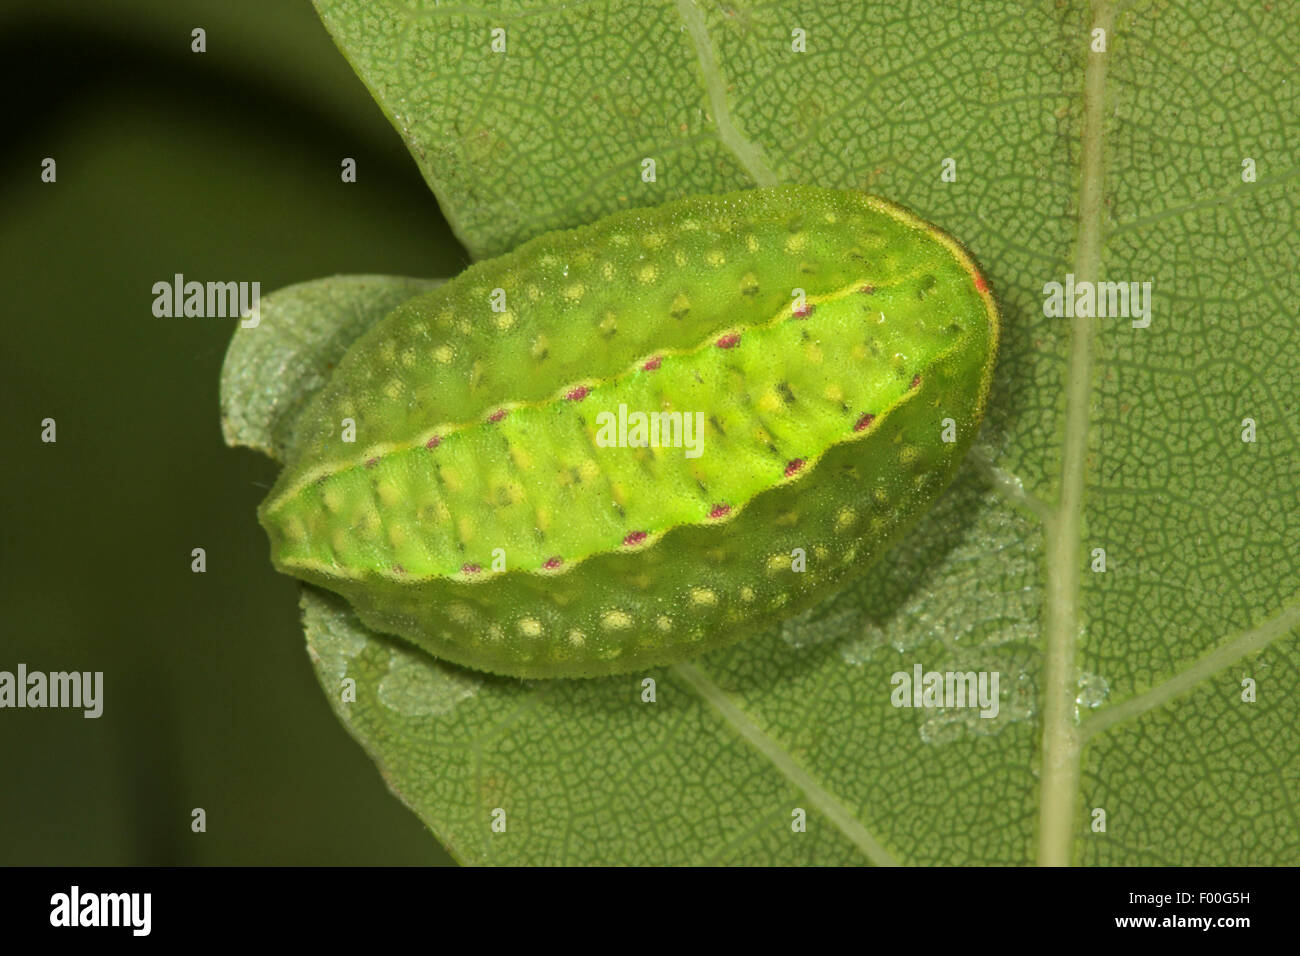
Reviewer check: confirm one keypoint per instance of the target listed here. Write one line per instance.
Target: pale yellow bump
(769, 401)
(394, 388)
(540, 346)
(577, 638)
(530, 627)
(845, 518)
(543, 518)
(408, 357)
(608, 271)
(748, 283)
(388, 351)
(619, 239)
(332, 498)
(494, 633)
(789, 518)
(444, 354)
(879, 524)
(464, 328)
(813, 353)
(778, 562)
(609, 323)
(680, 305)
(652, 240)
(505, 321)
(389, 493)
(445, 317)
(689, 225)
(705, 597)
(796, 242)
(881, 496)
(521, 456)
(820, 552)
(397, 535)
(341, 541)
(648, 273)
(294, 528)
(781, 600)
(589, 470)
(850, 554)
(751, 243)
(460, 613)
(715, 258)
(664, 622)
(859, 352)
(830, 218)
(452, 479)
(547, 261)
(834, 393)
(574, 292)
(909, 455)
(465, 528)
(747, 594)
(679, 257)
(616, 620)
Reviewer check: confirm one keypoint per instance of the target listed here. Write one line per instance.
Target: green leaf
(1122, 691)
(282, 356)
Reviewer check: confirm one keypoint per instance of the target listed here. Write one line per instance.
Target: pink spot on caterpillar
(653, 364)
(720, 511)
(803, 311)
(433, 442)
(470, 569)
(553, 563)
(728, 341)
(796, 465)
(867, 289)
(578, 394)
(864, 422)
(636, 537)
(372, 462)
(916, 380)
(980, 283)
(496, 416)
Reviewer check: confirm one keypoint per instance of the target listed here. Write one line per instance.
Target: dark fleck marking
(787, 394)
(916, 380)
(372, 462)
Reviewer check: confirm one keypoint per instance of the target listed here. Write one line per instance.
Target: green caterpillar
(496, 510)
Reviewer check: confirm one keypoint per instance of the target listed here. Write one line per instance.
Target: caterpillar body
(624, 444)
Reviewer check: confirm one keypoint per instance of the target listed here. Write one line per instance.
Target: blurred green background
(222, 166)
